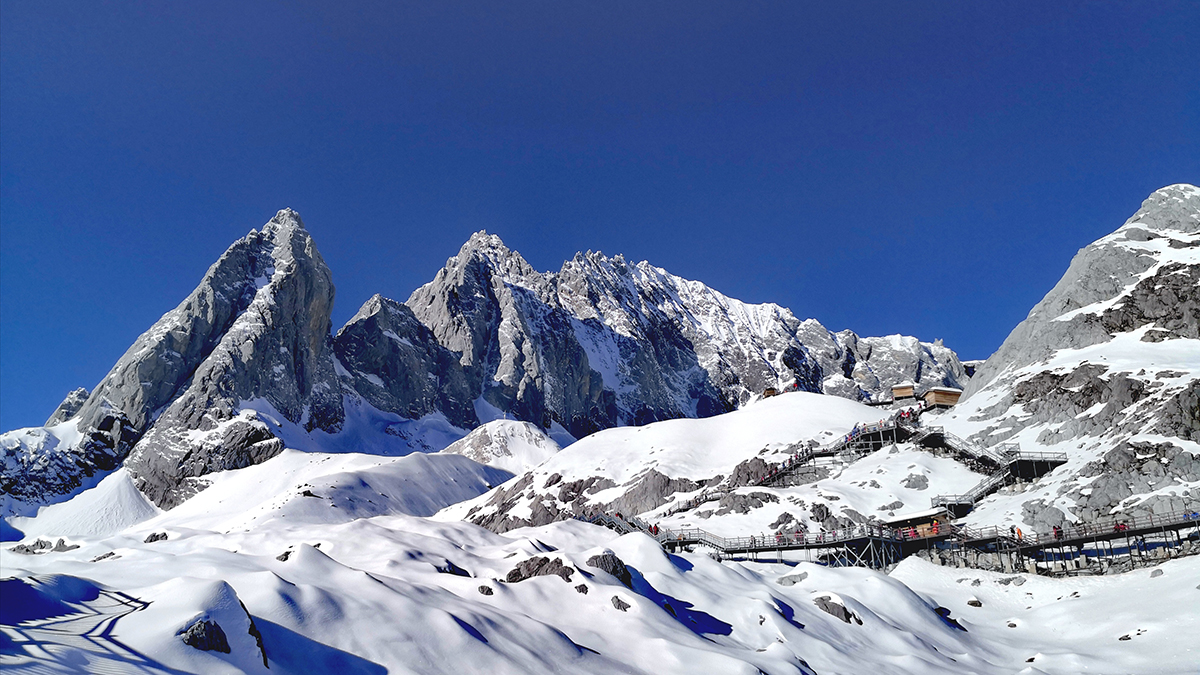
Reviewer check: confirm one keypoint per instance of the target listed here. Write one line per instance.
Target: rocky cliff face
(69, 407)
(247, 359)
(398, 365)
(276, 349)
(603, 342)
(1106, 368)
(255, 329)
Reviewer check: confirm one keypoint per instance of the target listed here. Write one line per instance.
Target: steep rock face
(256, 328)
(1101, 274)
(69, 407)
(397, 364)
(517, 348)
(603, 343)
(1107, 363)
(277, 349)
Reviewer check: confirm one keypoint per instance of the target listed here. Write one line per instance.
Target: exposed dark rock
(582, 588)
(620, 604)
(155, 536)
(782, 521)
(610, 563)
(69, 407)
(916, 481)
(1167, 300)
(792, 579)
(39, 546)
(283, 557)
(539, 566)
(206, 636)
(748, 472)
(397, 364)
(649, 492)
(486, 590)
(836, 609)
(744, 503)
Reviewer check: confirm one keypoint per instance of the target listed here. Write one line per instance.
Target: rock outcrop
(275, 351)
(1106, 369)
(397, 364)
(69, 407)
(247, 359)
(604, 342)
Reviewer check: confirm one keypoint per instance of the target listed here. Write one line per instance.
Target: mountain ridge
(248, 358)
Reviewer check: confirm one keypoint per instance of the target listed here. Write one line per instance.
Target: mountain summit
(246, 366)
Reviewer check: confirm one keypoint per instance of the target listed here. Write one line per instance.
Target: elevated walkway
(1072, 550)
(1017, 466)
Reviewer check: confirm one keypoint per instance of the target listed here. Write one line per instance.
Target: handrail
(1100, 530)
(990, 483)
(1103, 529)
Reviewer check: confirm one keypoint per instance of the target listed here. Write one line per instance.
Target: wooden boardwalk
(1100, 545)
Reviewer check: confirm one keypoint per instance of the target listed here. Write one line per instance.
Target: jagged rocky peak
(256, 331)
(255, 328)
(69, 407)
(487, 252)
(1080, 310)
(604, 342)
(396, 363)
(1106, 368)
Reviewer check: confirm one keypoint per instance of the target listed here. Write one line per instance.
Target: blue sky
(919, 168)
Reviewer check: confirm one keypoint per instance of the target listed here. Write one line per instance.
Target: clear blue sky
(809, 154)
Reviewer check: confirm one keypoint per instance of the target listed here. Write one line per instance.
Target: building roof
(928, 513)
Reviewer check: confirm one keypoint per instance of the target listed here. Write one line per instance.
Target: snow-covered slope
(1107, 369)
(113, 505)
(410, 595)
(652, 469)
(245, 365)
(506, 444)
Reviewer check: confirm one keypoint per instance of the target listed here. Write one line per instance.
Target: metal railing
(1108, 528)
(1000, 478)
(771, 542)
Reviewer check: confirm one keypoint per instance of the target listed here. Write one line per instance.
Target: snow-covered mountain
(604, 343)
(269, 514)
(246, 366)
(1107, 369)
(652, 470)
(254, 575)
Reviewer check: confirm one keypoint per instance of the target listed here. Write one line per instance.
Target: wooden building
(905, 391)
(925, 523)
(942, 397)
